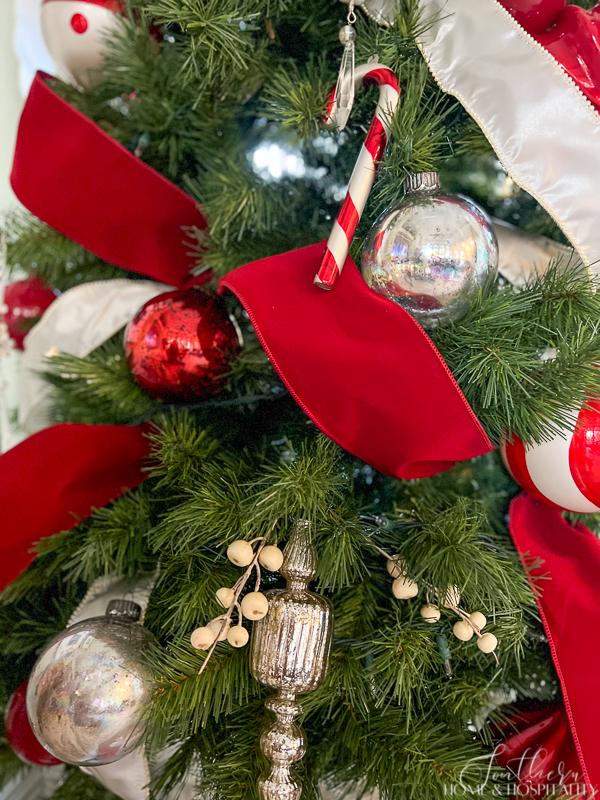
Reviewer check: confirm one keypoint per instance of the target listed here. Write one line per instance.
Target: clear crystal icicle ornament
(344, 90)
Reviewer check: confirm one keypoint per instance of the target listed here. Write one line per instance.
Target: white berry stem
(457, 610)
(466, 618)
(237, 589)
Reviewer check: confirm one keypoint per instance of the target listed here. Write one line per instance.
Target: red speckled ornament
(20, 735)
(25, 303)
(180, 344)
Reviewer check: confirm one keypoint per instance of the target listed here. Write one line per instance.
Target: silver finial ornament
(290, 652)
(432, 254)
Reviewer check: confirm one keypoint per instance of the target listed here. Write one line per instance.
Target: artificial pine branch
(98, 388)
(226, 80)
(33, 247)
(10, 765)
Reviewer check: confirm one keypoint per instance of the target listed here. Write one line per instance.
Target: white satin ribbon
(523, 256)
(129, 777)
(78, 322)
(543, 129)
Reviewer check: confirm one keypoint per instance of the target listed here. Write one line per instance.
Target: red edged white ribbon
(543, 128)
(364, 171)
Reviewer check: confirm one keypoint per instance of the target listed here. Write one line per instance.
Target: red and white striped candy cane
(364, 171)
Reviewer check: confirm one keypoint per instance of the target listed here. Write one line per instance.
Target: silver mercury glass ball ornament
(89, 688)
(432, 254)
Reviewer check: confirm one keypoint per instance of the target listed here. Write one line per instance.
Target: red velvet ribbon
(73, 176)
(570, 612)
(55, 478)
(358, 365)
(539, 752)
(570, 33)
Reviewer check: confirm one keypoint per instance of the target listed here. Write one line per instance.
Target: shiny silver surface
(290, 650)
(432, 254)
(88, 691)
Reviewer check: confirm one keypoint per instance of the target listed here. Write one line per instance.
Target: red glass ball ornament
(180, 345)
(565, 470)
(20, 735)
(25, 302)
(535, 15)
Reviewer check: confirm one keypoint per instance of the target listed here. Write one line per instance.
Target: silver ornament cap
(432, 254)
(89, 688)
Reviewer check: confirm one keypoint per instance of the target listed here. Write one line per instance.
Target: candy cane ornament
(363, 175)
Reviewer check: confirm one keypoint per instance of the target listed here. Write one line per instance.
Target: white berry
(271, 558)
(240, 553)
(451, 597)
(225, 596)
(478, 619)
(404, 589)
(487, 643)
(396, 566)
(430, 613)
(238, 636)
(463, 631)
(202, 638)
(219, 629)
(255, 605)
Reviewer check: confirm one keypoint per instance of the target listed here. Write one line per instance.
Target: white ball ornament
(404, 589)
(202, 638)
(463, 631)
(225, 596)
(75, 33)
(487, 643)
(430, 614)
(240, 553)
(238, 636)
(478, 619)
(452, 597)
(218, 629)
(271, 558)
(396, 566)
(255, 605)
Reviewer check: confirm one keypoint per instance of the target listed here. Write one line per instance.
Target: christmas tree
(438, 651)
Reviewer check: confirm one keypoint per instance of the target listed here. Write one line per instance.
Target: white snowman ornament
(75, 32)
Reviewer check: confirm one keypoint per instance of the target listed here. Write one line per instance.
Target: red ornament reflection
(25, 301)
(20, 735)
